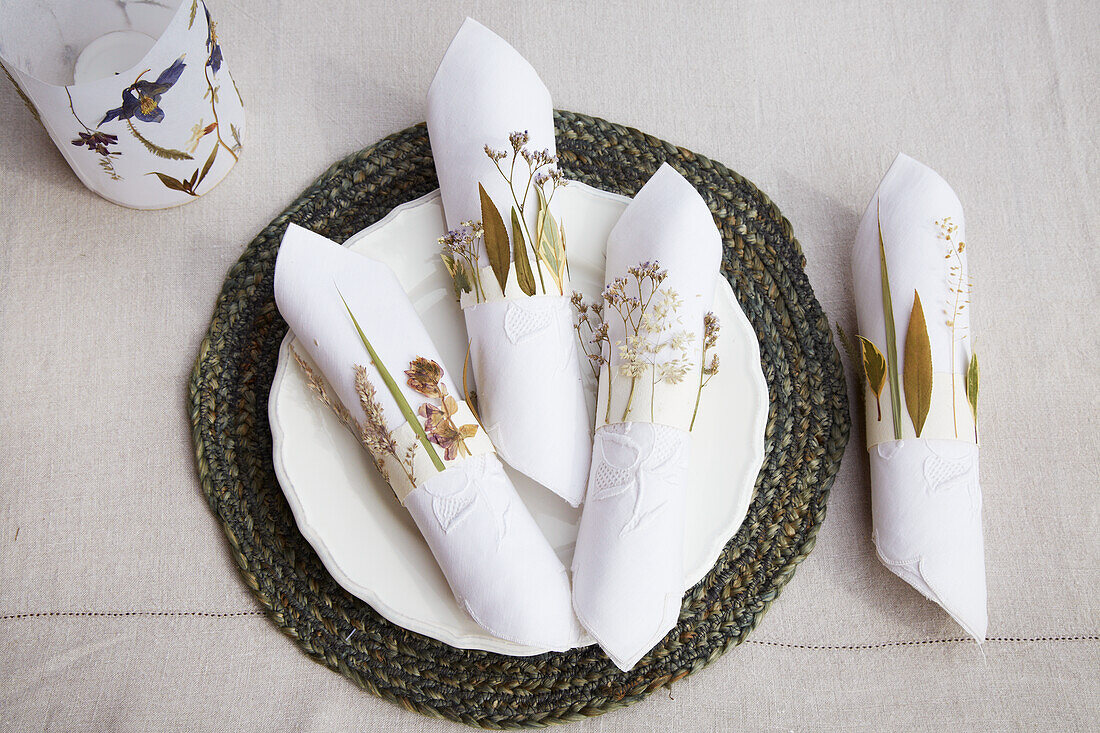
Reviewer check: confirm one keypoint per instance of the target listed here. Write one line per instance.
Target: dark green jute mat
(806, 434)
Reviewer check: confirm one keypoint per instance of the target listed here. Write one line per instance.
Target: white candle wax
(111, 54)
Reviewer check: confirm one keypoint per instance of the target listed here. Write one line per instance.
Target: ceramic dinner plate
(369, 543)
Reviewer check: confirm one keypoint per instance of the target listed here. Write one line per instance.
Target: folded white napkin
(522, 347)
(497, 562)
(926, 500)
(628, 577)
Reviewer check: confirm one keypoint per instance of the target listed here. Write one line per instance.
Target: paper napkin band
(416, 466)
(493, 293)
(945, 421)
(652, 402)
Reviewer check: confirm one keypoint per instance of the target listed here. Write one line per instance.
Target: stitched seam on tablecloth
(759, 642)
(122, 614)
(925, 642)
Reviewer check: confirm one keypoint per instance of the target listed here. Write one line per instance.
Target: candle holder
(135, 94)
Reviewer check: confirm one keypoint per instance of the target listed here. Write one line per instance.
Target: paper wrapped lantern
(136, 96)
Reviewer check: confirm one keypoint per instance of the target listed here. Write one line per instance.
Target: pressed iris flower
(97, 142)
(141, 100)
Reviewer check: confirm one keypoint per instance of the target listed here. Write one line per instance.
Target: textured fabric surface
(120, 608)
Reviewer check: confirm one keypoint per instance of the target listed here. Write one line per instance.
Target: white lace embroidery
(523, 320)
(635, 458)
(949, 474)
(453, 502)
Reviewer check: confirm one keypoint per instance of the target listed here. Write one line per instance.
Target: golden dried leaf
(874, 369)
(550, 248)
(874, 365)
(891, 331)
(972, 375)
(496, 238)
(524, 276)
(918, 367)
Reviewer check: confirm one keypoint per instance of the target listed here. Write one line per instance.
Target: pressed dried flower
(547, 242)
(518, 139)
(442, 430)
(652, 343)
(959, 295)
(711, 328)
(424, 376)
(591, 331)
(373, 434)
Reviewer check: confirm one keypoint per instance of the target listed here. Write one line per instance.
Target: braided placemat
(806, 434)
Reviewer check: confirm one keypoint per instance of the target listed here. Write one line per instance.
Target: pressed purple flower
(213, 48)
(441, 429)
(141, 100)
(97, 142)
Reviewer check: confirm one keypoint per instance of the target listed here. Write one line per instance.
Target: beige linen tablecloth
(120, 608)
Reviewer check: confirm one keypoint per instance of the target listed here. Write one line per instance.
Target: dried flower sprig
(542, 171)
(652, 343)
(425, 376)
(591, 331)
(707, 370)
(462, 247)
(959, 293)
(374, 435)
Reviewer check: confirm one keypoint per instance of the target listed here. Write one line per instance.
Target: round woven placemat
(806, 434)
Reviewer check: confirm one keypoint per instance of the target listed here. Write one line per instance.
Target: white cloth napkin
(522, 348)
(497, 562)
(926, 500)
(628, 577)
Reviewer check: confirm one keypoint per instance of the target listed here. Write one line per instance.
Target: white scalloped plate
(368, 542)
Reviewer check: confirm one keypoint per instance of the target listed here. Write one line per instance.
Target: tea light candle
(111, 54)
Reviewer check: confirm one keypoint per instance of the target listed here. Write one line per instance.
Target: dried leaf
(471, 398)
(467, 431)
(874, 368)
(557, 261)
(496, 238)
(891, 335)
(564, 250)
(918, 367)
(550, 249)
(972, 376)
(457, 271)
(450, 406)
(173, 183)
(23, 95)
(542, 211)
(209, 162)
(157, 150)
(524, 276)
